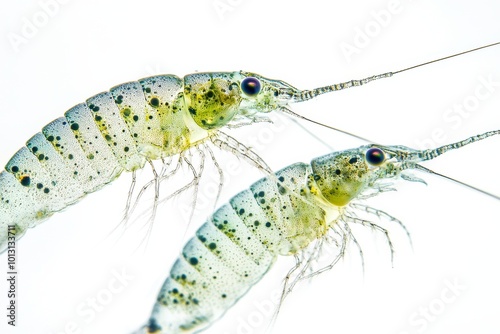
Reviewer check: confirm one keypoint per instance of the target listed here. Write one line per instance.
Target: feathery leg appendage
(219, 171)
(374, 227)
(230, 144)
(382, 215)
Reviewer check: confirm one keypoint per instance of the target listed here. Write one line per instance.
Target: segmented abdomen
(235, 248)
(90, 146)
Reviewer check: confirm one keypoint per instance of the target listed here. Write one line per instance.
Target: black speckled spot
(25, 181)
(98, 118)
(192, 111)
(212, 245)
(193, 261)
(15, 169)
(337, 171)
(353, 160)
(268, 224)
(155, 102)
(126, 149)
(46, 190)
(39, 185)
(50, 138)
(75, 126)
(316, 177)
(135, 118)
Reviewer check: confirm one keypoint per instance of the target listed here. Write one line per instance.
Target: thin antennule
(310, 94)
(289, 112)
(433, 153)
(427, 170)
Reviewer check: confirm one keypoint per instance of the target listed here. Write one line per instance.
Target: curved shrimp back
(133, 123)
(288, 213)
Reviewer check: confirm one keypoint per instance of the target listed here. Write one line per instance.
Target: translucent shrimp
(135, 123)
(89, 46)
(138, 122)
(291, 213)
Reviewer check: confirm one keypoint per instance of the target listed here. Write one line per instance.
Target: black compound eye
(375, 156)
(250, 86)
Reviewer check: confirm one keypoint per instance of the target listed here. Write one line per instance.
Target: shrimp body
(120, 130)
(282, 214)
(236, 247)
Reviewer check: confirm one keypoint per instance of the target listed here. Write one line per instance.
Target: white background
(88, 47)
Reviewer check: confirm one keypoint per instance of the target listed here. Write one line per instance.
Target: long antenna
(310, 94)
(447, 57)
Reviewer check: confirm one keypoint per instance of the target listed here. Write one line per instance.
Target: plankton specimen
(291, 213)
(136, 123)
(58, 243)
